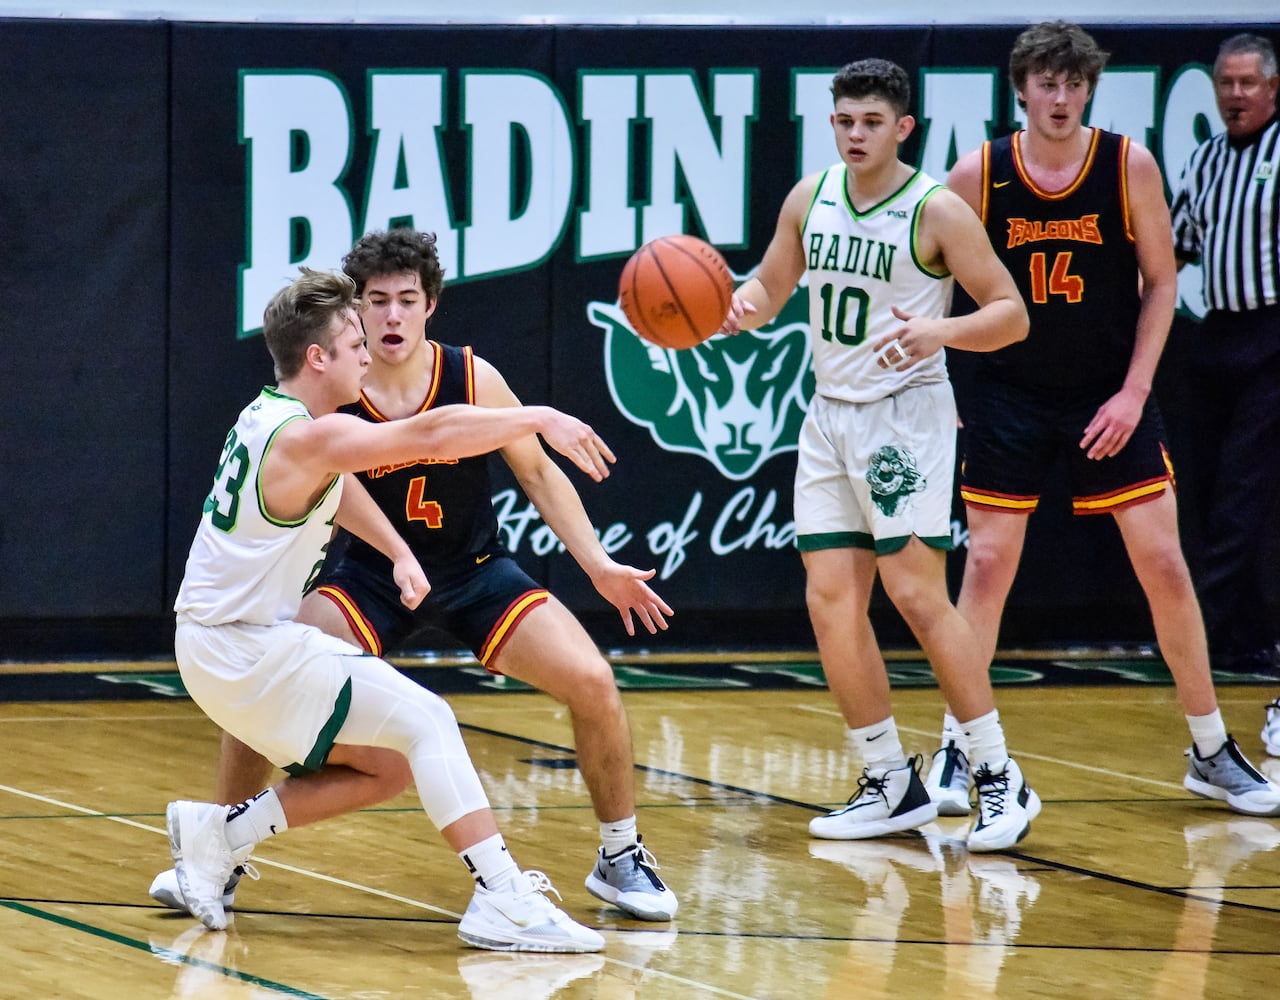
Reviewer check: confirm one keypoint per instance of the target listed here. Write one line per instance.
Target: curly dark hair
(396, 251)
(874, 78)
(1055, 47)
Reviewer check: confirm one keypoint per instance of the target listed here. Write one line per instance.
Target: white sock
(986, 741)
(1208, 731)
(490, 863)
(255, 820)
(878, 745)
(953, 732)
(617, 836)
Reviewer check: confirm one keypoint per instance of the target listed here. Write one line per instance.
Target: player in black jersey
(478, 592)
(1078, 216)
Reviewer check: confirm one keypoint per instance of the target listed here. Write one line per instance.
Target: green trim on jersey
(880, 206)
(888, 546)
(328, 734)
(834, 540)
(813, 200)
(861, 540)
(915, 236)
(262, 502)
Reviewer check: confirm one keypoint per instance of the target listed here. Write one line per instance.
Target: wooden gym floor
(1126, 887)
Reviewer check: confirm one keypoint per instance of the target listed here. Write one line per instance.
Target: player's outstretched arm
(556, 499)
(339, 442)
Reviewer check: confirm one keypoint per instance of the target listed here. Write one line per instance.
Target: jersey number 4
(418, 508)
(1060, 280)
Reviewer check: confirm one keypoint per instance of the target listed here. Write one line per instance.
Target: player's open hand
(738, 307)
(625, 588)
(577, 442)
(910, 344)
(1112, 426)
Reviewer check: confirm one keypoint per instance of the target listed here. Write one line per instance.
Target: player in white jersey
(880, 244)
(337, 720)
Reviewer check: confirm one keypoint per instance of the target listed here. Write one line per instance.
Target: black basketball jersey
(443, 509)
(1072, 255)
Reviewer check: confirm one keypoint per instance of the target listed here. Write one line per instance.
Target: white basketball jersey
(246, 566)
(859, 265)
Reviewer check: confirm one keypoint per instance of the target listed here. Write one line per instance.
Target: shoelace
(993, 792)
(868, 783)
(645, 857)
(541, 882)
(246, 870)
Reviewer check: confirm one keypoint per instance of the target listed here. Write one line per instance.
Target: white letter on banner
(518, 121)
(1125, 102)
(406, 171)
(296, 128)
(607, 224)
(680, 133)
(958, 107)
(811, 106)
(1190, 117)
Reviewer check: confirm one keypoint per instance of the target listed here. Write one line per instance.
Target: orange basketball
(675, 291)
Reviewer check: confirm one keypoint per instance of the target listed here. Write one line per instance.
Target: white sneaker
(1271, 730)
(1229, 777)
(950, 780)
(202, 858)
(1006, 807)
(630, 882)
(166, 891)
(886, 801)
(521, 918)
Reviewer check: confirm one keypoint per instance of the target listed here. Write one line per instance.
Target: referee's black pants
(1236, 377)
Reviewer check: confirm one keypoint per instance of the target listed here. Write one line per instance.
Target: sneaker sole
(602, 890)
(567, 947)
(951, 805)
(865, 831)
(1032, 809)
(1237, 803)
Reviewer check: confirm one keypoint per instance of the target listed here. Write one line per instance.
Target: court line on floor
(168, 954)
(310, 873)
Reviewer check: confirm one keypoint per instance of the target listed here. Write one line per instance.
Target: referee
(1226, 214)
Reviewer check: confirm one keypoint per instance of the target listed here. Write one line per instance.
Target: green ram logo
(736, 401)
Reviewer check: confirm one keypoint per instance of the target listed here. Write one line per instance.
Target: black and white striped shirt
(1226, 214)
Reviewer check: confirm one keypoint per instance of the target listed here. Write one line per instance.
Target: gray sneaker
(1229, 777)
(630, 882)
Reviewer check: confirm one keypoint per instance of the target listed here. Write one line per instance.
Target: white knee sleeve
(389, 710)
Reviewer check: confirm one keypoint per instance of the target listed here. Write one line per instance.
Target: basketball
(675, 291)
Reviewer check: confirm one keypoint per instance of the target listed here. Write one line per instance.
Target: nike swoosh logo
(1000, 184)
(871, 739)
(480, 559)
